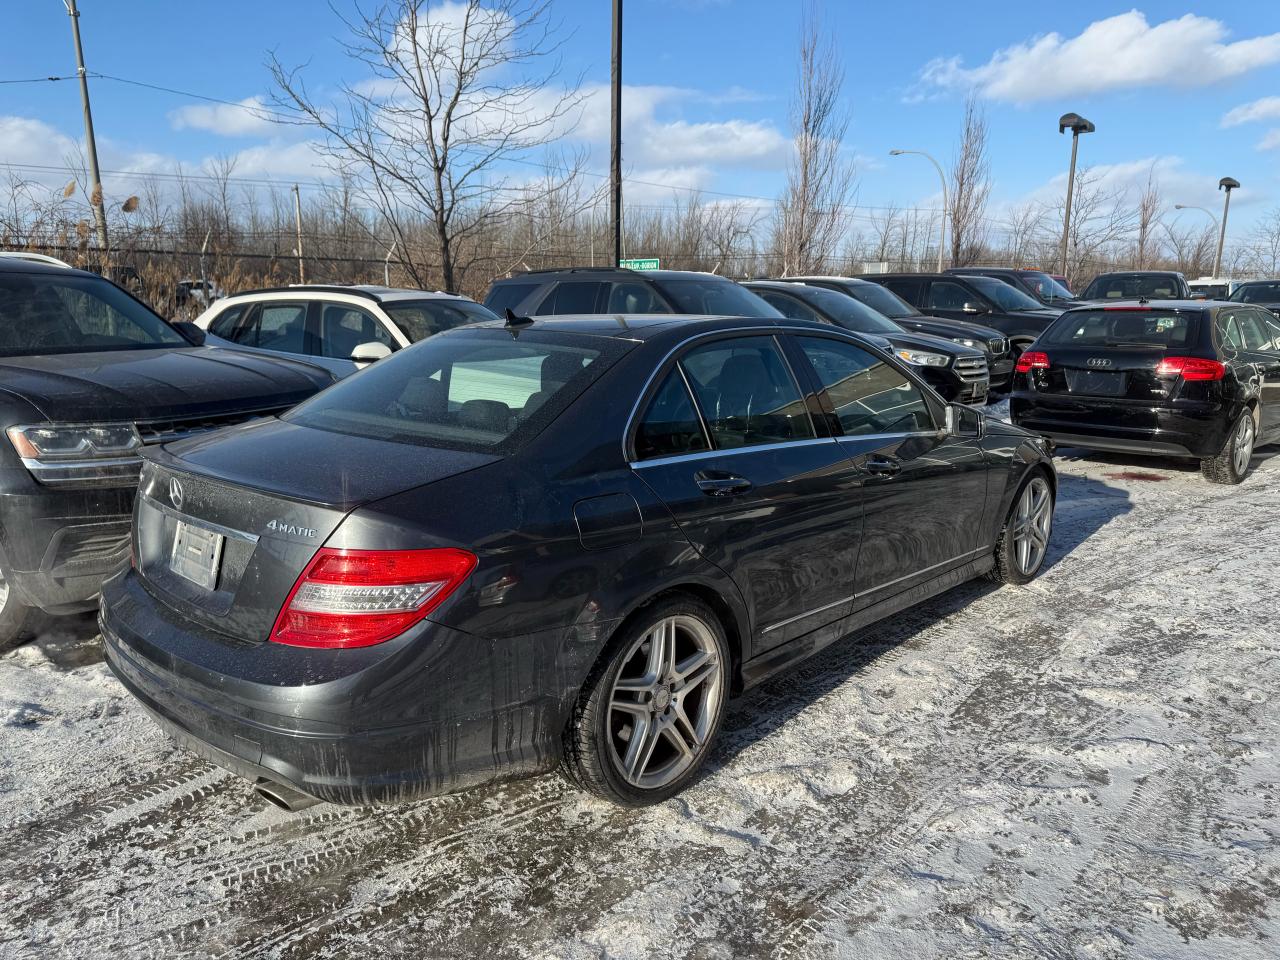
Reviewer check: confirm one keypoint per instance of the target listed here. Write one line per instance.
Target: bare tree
(970, 187)
(1101, 217)
(810, 216)
(1024, 226)
(884, 227)
(1263, 245)
(1150, 210)
(1192, 250)
(454, 94)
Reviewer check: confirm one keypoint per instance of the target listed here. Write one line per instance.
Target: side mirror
(963, 421)
(973, 308)
(190, 331)
(1199, 295)
(370, 352)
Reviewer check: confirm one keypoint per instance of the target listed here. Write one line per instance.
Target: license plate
(196, 555)
(1098, 383)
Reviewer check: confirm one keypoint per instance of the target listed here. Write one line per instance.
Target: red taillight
(1032, 360)
(1191, 368)
(356, 598)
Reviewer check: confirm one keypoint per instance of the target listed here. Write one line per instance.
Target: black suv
(959, 374)
(1264, 293)
(984, 300)
(990, 341)
(590, 290)
(91, 377)
(1132, 284)
(1034, 283)
(1173, 378)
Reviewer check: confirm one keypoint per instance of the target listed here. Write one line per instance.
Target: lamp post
(1228, 184)
(1077, 125)
(942, 177)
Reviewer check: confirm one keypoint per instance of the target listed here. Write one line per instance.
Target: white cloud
(249, 117)
(24, 140)
(1271, 141)
(278, 159)
(1268, 108)
(1120, 52)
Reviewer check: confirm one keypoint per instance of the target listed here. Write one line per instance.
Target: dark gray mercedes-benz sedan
(553, 542)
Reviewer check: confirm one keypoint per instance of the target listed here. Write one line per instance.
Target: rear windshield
(849, 313)
(469, 389)
(721, 298)
(507, 296)
(1257, 293)
(48, 313)
(1115, 328)
(419, 319)
(1130, 287)
(1004, 296)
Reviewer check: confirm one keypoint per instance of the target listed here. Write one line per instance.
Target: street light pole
(91, 145)
(615, 134)
(1077, 125)
(942, 178)
(297, 220)
(1228, 184)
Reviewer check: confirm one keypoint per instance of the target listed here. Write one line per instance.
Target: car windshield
(882, 300)
(468, 389)
(1046, 287)
(419, 319)
(55, 313)
(1128, 286)
(848, 312)
(715, 297)
(1257, 293)
(1002, 295)
(1120, 327)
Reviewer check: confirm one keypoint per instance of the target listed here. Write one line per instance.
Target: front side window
(1257, 293)
(945, 295)
(47, 313)
(224, 324)
(344, 327)
(507, 296)
(419, 319)
(467, 389)
(870, 396)
(746, 393)
(670, 426)
(1004, 296)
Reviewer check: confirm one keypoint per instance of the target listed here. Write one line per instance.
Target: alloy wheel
(1243, 447)
(1032, 524)
(664, 702)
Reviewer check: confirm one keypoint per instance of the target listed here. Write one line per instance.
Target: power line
(38, 80)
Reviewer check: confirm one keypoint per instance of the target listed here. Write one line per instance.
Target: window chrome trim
(705, 454)
(697, 407)
(863, 593)
(774, 330)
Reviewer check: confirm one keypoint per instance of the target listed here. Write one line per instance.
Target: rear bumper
(60, 545)
(1001, 373)
(1189, 430)
(390, 723)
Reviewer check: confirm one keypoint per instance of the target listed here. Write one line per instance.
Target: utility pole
(297, 216)
(1077, 125)
(1228, 184)
(615, 140)
(95, 193)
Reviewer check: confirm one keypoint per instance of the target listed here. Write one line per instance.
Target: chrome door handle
(714, 483)
(883, 466)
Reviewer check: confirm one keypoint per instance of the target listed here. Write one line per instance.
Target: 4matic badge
(289, 530)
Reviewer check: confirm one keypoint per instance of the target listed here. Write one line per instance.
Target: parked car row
(359, 544)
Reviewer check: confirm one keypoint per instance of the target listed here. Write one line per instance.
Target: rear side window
(870, 396)
(570, 297)
(1114, 328)
(508, 296)
(746, 393)
(633, 297)
(670, 426)
(470, 389)
(908, 290)
(945, 295)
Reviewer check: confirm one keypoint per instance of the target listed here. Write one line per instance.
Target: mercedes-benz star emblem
(175, 493)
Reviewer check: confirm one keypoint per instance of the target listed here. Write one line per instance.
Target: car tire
(18, 622)
(673, 701)
(1231, 466)
(1024, 539)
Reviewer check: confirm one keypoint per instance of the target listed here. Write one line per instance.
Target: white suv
(341, 328)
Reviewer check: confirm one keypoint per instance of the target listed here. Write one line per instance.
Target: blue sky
(708, 84)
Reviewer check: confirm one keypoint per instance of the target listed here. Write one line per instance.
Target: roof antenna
(517, 323)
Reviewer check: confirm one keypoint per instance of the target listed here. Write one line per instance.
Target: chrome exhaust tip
(286, 798)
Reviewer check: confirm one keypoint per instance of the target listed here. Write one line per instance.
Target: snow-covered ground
(1085, 767)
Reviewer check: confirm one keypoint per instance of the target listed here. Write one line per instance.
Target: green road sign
(647, 264)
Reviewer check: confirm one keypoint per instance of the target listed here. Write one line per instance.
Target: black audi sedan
(1180, 378)
(91, 377)
(958, 373)
(563, 541)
